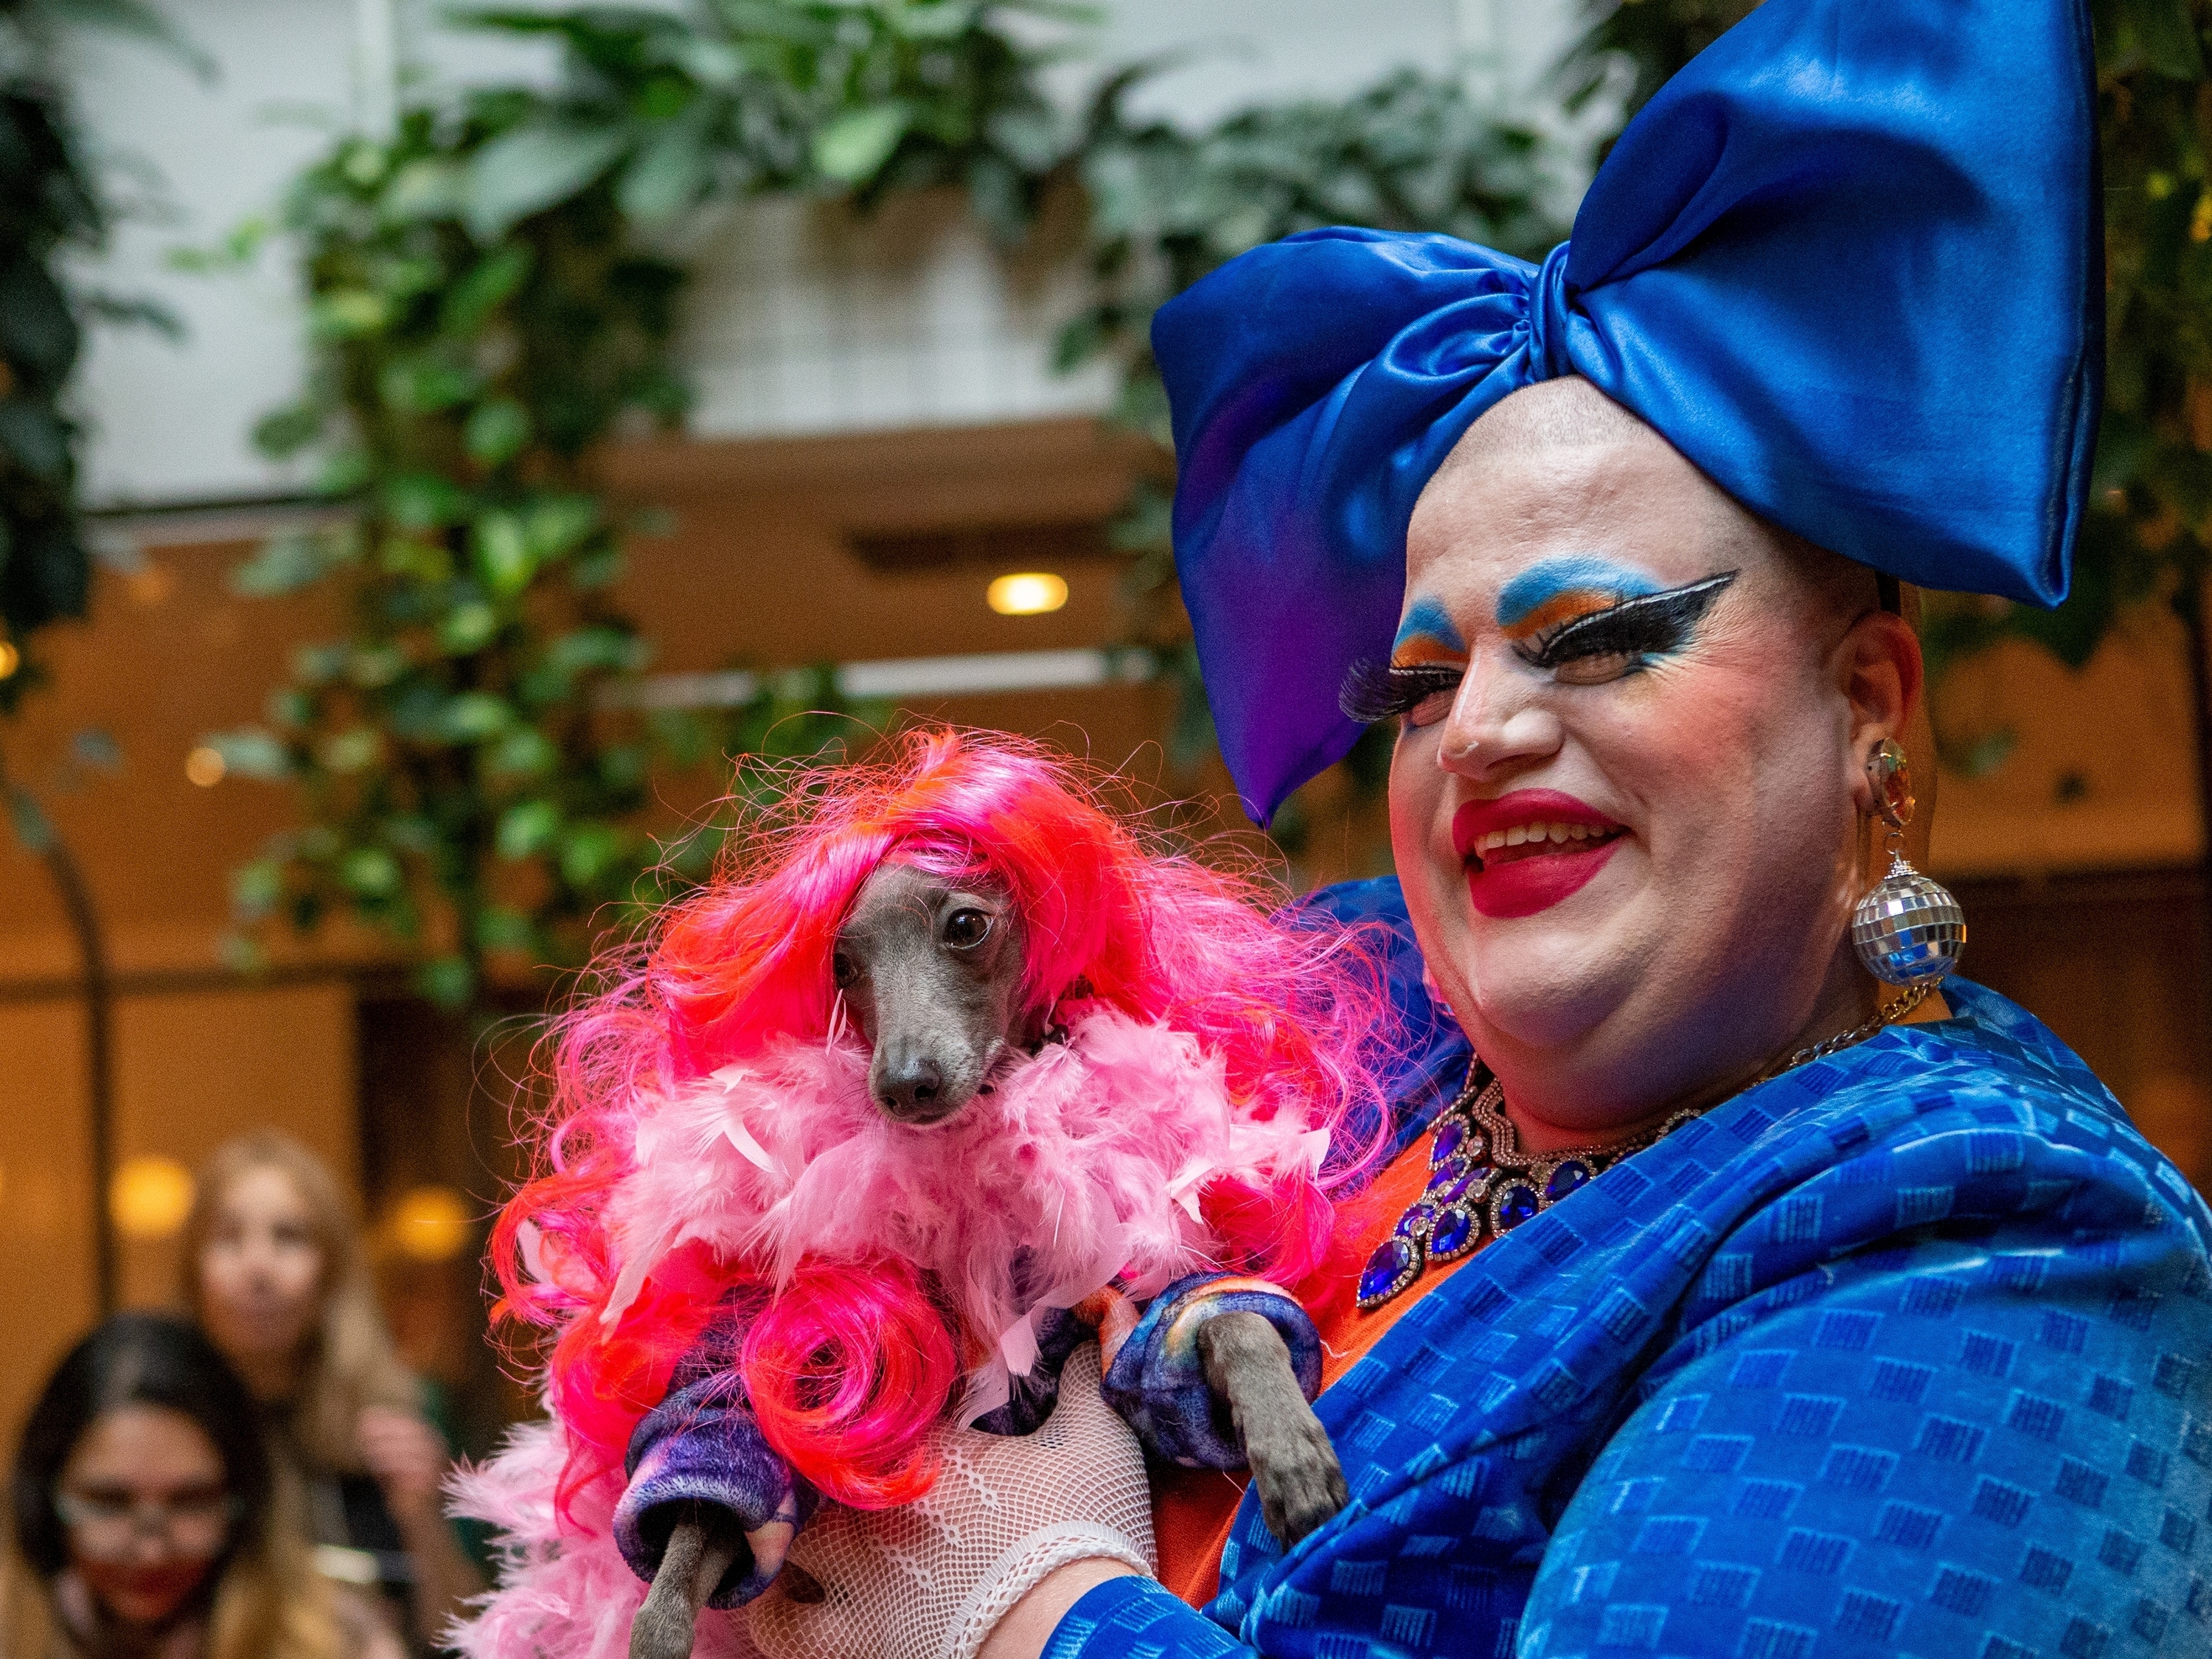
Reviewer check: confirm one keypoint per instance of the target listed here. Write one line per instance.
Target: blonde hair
(351, 1361)
(270, 1603)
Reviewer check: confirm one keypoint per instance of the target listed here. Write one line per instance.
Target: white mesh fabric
(929, 1581)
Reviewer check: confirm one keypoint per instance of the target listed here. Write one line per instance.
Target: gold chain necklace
(1482, 1185)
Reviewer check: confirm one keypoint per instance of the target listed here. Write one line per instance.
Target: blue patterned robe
(1906, 1352)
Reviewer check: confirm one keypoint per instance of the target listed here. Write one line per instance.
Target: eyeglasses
(107, 1525)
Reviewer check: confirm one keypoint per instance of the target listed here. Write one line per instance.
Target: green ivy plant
(483, 309)
(486, 306)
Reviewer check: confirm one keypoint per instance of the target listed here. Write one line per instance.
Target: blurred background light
(11, 660)
(149, 1196)
(205, 766)
(1027, 593)
(430, 1223)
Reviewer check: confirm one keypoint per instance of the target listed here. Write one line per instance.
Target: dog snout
(910, 1084)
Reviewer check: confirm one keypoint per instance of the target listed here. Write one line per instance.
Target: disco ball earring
(1909, 930)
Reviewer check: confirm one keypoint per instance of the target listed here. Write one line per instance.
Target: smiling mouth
(1526, 840)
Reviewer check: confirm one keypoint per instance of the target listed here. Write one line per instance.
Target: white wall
(800, 322)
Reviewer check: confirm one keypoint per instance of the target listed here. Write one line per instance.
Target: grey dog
(931, 972)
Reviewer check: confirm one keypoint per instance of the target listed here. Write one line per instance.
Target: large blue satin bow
(1848, 261)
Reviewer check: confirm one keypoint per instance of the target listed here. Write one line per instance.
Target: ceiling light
(431, 1224)
(205, 766)
(1027, 593)
(149, 1197)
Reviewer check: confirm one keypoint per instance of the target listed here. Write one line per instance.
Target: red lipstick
(1511, 882)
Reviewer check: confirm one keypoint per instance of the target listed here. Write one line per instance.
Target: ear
(1879, 668)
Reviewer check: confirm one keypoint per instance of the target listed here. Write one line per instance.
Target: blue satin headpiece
(1849, 262)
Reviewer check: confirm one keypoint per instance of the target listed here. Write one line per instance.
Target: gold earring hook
(1890, 776)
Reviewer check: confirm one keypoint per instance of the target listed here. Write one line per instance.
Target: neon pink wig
(849, 1365)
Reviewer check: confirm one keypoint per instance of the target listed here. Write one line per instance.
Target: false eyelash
(1374, 691)
(1652, 626)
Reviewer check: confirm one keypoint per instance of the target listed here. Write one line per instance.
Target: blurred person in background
(276, 1274)
(147, 1518)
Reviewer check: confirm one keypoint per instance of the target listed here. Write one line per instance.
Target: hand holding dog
(934, 1579)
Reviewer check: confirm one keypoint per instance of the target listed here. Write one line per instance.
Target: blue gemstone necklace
(1482, 1185)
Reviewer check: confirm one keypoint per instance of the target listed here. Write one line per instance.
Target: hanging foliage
(485, 307)
(482, 311)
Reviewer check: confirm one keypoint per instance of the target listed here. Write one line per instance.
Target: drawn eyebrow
(1425, 619)
(1651, 625)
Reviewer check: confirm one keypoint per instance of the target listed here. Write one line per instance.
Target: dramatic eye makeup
(1588, 646)
(1583, 621)
(1428, 658)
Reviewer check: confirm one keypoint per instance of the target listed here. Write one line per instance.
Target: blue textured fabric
(1906, 1352)
(1847, 261)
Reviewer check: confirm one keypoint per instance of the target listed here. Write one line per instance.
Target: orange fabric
(1192, 1508)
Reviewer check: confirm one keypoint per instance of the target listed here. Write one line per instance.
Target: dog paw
(1301, 1483)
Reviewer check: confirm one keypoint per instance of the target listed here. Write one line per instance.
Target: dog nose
(909, 1085)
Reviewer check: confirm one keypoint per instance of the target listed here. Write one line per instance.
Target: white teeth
(1526, 834)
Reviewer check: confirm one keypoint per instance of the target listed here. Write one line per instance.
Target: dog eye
(966, 929)
(843, 971)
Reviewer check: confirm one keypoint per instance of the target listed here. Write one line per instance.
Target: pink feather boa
(1084, 1161)
(564, 1590)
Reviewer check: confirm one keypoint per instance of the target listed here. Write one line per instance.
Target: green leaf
(588, 851)
(853, 148)
(529, 169)
(449, 982)
(467, 627)
(557, 525)
(373, 666)
(345, 472)
(287, 561)
(527, 829)
(354, 749)
(666, 176)
(474, 716)
(504, 556)
(257, 889)
(496, 431)
(348, 314)
(489, 285)
(251, 752)
(369, 873)
(501, 929)
(288, 431)
(526, 753)
(425, 189)
(422, 501)
(419, 385)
